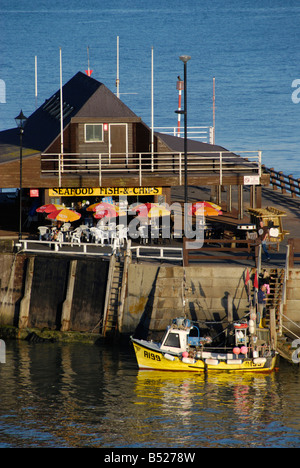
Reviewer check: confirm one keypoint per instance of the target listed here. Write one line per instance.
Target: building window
(93, 132)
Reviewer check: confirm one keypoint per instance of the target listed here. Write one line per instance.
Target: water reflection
(55, 395)
(232, 406)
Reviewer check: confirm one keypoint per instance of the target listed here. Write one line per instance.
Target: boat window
(173, 340)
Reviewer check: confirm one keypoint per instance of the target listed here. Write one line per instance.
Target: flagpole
(61, 121)
(152, 108)
(35, 80)
(118, 78)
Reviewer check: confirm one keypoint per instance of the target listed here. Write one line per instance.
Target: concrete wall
(155, 295)
(292, 307)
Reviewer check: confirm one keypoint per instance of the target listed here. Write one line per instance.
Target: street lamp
(20, 121)
(185, 59)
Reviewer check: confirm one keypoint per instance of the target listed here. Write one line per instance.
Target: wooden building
(105, 149)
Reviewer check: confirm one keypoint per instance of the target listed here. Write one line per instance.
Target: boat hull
(149, 358)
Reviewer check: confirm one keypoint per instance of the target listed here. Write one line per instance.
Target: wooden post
(229, 198)
(25, 302)
(291, 253)
(67, 305)
(273, 334)
(185, 254)
(292, 186)
(241, 202)
(258, 196)
(282, 182)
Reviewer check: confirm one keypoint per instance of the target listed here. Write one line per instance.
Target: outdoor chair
(85, 232)
(60, 238)
(143, 230)
(44, 233)
(116, 244)
(99, 235)
(122, 235)
(76, 236)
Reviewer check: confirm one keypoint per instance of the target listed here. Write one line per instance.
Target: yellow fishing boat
(180, 351)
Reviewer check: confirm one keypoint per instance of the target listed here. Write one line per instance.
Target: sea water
(250, 47)
(71, 395)
(77, 395)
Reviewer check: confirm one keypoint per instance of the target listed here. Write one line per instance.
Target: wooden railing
(214, 249)
(294, 252)
(284, 183)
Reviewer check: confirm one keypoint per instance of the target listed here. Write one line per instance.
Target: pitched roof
(193, 146)
(83, 96)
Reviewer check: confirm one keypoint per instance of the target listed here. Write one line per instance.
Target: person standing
(261, 300)
(263, 234)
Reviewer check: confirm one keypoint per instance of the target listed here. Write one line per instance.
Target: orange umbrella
(205, 208)
(64, 215)
(151, 210)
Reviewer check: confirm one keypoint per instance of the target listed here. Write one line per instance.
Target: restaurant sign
(104, 191)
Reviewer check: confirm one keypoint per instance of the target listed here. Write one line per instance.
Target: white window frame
(93, 141)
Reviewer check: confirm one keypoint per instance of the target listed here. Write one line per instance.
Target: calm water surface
(74, 395)
(251, 47)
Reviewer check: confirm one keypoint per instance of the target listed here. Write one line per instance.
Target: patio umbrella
(49, 208)
(151, 210)
(64, 215)
(205, 208)
(105, 209)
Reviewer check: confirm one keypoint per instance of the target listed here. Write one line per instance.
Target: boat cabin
(179, 336)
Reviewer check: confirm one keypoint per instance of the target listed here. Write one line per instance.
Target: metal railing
(140, 252)
(157, 253)
(205, 134)
(65, 248)
(145, 164)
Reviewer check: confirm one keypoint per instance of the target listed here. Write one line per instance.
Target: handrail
(139, 255)
(38, 246)
(292, 322)
(195, 133)
(145, 163)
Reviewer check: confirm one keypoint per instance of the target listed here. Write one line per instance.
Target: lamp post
(185, 59)
(21, 121)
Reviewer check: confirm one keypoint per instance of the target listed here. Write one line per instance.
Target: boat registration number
(153, 356)
(253, 364)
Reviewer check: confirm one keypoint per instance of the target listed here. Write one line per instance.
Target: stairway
(275, 297)
(113, 295)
